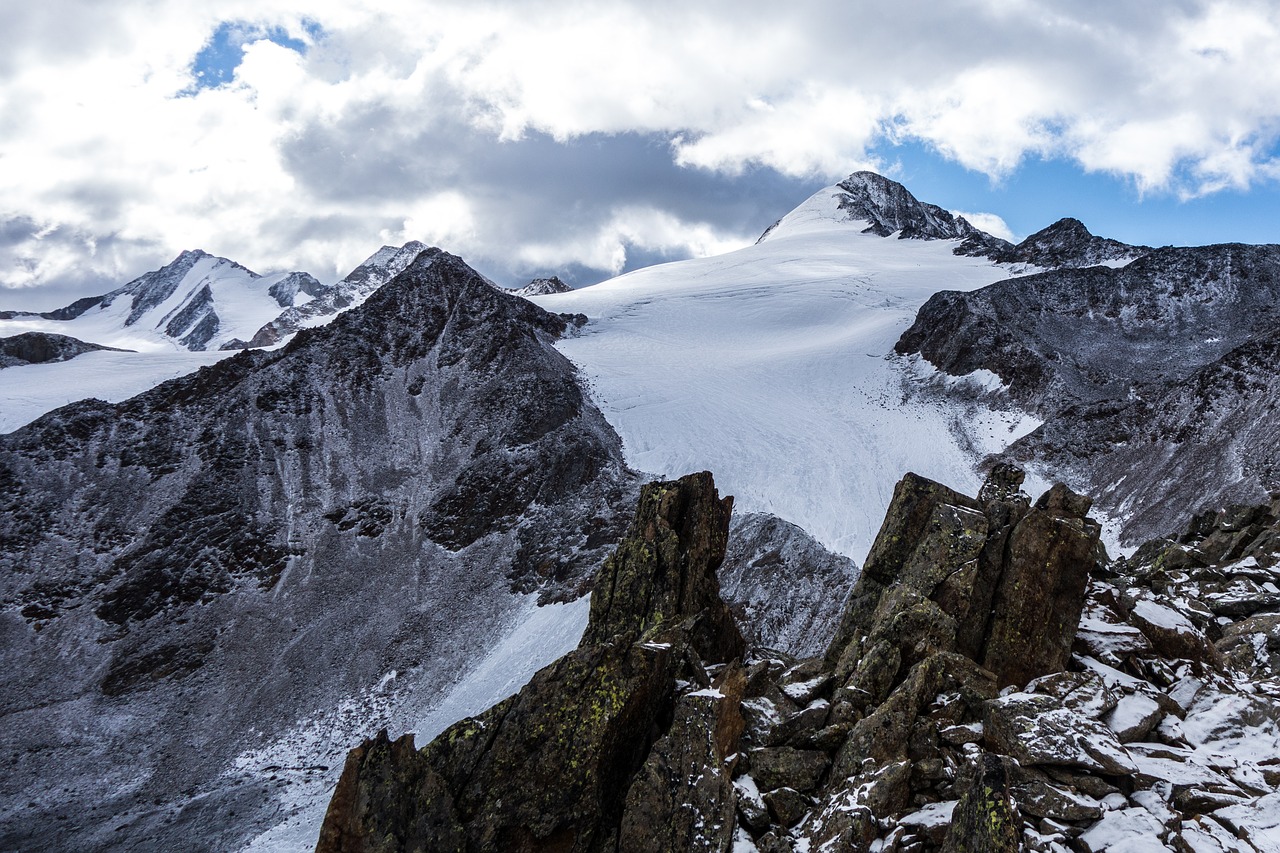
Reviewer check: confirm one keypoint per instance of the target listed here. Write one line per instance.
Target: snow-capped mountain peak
(201, 302)
(873, 204)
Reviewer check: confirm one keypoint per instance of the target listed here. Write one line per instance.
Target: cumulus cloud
(537, 136)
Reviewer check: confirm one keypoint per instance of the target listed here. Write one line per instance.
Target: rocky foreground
(996, 683)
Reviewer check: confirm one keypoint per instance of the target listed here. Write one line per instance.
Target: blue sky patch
(216, 63)
(1041, 191)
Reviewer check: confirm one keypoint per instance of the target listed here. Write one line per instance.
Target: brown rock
(664, 570)
(985, 820)
(1041, 590)
(785, 767)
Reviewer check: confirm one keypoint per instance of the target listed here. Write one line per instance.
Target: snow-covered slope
(772, 366)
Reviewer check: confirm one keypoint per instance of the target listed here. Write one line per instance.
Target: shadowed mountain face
(1156, 380)
(193, 570)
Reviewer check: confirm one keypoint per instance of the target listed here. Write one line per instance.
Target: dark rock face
(255, 544)
(1178, 448)
(41, 348)
(1153, 379)
(1083, 335)
(890, 208)
(578, 757)
(1068, 243)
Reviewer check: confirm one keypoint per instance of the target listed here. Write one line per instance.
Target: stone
(787, 806)
(1172, 635)
(1037, 729)
(1043, 800)
(1041, 591)
(683, 797)
(785, 767)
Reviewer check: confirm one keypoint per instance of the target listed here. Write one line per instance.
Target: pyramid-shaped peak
(1065, 228)
(890, 207)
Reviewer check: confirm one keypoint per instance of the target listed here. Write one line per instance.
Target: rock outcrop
(583, 755)
(42, 348)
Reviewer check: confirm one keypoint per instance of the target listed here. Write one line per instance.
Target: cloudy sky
(585, 138)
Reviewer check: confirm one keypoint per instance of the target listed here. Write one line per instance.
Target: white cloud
(305, 160)
(992, 223)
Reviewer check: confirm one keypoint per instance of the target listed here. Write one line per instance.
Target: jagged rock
(546, 769)
(985, 820)
(665, 569)
(596, 751)
(683, 797)
(999, 581)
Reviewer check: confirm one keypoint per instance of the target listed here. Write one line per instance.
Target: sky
(588, 138)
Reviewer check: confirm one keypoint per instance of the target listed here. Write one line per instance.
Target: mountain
(211, 592)
(208, 591)
(1068, 243)
(1152, 379)
(996, 684)
(200, 302)
(382, 266)
(773, 366)
(541, 287)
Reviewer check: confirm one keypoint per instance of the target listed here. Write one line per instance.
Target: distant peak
(1067, 226)
(189, 256)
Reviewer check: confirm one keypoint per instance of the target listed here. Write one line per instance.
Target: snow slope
(30, 391)
(772, 366)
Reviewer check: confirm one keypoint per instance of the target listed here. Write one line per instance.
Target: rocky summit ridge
(995, 684)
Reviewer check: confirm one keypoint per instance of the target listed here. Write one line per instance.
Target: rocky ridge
(382, 266)
(42, 348)
(995, 684)
(1152, 379)
(202, 302)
